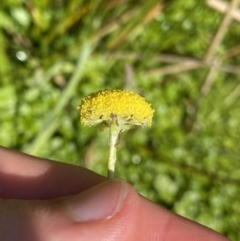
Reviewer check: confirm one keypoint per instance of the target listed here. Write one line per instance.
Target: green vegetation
(182, 56)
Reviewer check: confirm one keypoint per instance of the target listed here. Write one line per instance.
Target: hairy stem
(114, 136)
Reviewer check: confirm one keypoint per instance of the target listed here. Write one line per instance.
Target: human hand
(44, 200)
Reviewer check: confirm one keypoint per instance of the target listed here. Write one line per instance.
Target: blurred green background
(182, 56)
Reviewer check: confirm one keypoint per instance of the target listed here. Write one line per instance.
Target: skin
(48, 200)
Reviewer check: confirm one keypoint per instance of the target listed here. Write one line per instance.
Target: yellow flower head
(124, 107)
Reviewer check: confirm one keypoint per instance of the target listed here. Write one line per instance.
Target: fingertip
(101, 202)
(27, 177)
(105, 211)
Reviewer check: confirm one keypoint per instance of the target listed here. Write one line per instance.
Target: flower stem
(114, 133)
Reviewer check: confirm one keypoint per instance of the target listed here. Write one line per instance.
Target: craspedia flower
(128, 107)
(118, 110)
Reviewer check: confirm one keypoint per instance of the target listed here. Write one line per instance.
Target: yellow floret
(127, 107)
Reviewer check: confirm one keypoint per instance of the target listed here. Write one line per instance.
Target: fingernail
(100, 202)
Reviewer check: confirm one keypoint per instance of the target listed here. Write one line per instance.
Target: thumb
(111, 210)
(94, 214)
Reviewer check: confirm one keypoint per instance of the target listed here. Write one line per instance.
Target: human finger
(24, 176)
(111, 210)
